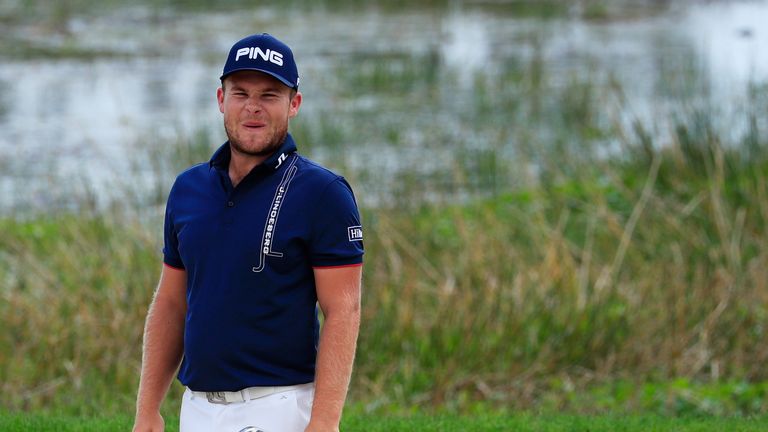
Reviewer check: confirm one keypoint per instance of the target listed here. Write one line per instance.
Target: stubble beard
(273, 143)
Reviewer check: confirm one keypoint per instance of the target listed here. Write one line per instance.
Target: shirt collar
(220, 158)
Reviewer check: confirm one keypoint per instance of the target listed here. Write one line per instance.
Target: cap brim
(281, 79)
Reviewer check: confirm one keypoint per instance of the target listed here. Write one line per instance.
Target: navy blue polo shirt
(249, 253)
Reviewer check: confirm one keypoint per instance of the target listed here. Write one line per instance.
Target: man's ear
(295, 104)
(220, 98)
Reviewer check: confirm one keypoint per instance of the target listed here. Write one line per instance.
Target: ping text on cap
(269, 55)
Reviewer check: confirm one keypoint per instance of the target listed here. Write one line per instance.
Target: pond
(419, 93)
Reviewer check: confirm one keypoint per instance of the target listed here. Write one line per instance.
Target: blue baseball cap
(263, 53)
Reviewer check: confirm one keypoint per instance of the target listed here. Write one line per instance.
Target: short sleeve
(337, 233)
(171, 254)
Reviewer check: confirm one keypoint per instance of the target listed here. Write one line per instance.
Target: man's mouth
(253, 125)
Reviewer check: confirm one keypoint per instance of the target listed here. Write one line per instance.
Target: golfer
(255, 240)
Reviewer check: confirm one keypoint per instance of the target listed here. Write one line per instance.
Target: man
(255, 239)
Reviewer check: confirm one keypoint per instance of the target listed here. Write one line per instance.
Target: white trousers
(287, 411)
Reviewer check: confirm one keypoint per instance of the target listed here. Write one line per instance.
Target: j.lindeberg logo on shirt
(280, 160)
(267, 243)
(270, 225)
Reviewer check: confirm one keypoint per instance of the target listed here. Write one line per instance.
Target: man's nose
(252, 106)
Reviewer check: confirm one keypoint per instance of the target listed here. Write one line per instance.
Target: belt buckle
(216, 397)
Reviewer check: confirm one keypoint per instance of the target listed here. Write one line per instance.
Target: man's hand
(314, 427)
(152, 422)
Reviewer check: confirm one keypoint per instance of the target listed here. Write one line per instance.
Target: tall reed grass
(504, 298)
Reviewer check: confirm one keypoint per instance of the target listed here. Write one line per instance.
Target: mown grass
(438, 423)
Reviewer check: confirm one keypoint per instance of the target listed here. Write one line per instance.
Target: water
(80, 120)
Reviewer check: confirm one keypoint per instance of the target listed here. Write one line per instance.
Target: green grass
(438, 423)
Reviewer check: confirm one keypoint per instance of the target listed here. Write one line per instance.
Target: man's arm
(338, 292)
(163, 348)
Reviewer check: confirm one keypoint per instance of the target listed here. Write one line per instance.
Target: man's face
(256, 108)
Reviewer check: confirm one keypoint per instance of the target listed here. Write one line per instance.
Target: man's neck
(240, 164)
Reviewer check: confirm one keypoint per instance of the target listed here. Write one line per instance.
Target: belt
(228, 397)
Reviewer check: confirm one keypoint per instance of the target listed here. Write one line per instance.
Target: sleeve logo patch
(355, 233)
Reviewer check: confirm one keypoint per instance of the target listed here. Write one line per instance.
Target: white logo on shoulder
(254, 52)
(355, 233)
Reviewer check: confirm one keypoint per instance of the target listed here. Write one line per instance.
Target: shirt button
(230, 204)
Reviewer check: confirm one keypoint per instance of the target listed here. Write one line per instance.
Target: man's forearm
(163, 347)
(335, 357)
